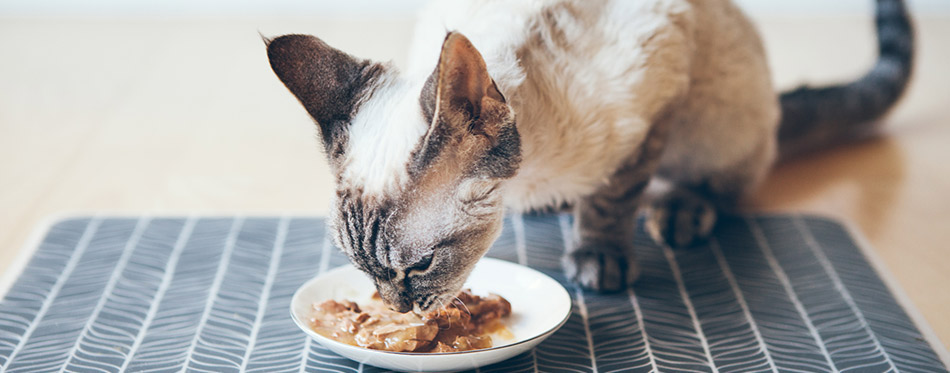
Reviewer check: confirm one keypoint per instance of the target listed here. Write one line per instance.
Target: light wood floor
(186, 117)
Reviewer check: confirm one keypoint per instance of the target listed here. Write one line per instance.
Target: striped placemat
(768, 293)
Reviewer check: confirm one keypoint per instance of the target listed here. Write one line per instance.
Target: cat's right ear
(327, 81)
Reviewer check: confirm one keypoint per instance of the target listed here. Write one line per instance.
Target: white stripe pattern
(162, 288)
(325, 253)
(721, 259)
(161, 280)
(130, 245)
(584, 317)
(568, 245)
(517, 222)
(839, 286)
(81, 247)
(643, 331)
(678, 276)
(787, 284)
(230, 241)
(277, 251)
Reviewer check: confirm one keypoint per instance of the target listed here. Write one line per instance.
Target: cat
(528, 104)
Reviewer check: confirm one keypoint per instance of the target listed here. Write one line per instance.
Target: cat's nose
(395, 301)
(401, 306)
(393, 296)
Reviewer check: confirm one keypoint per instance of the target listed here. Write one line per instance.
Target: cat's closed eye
(427, 263)
(478, 195)
(421, 267)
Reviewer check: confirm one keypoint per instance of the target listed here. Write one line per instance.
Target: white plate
(539, 306)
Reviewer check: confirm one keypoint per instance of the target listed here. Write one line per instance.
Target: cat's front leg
(602, 256)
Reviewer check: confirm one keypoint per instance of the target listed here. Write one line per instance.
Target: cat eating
(527, 104)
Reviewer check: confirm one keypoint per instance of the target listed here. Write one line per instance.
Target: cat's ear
(327, 81)
(461, 79)
(462, 101)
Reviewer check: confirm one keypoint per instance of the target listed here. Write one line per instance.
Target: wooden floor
(166, 117)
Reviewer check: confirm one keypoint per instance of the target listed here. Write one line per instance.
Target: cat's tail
(814, 118)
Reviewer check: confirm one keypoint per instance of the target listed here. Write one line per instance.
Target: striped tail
(813, 118)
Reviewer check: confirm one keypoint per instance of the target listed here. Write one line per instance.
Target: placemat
(768, 293)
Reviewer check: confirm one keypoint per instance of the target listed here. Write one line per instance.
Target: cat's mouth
(417, 305)
(432, 303)
(416, 309)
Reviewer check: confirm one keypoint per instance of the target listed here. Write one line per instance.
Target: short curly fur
(586, 103)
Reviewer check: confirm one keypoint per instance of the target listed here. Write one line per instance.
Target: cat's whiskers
(463, 306)
(441, 307)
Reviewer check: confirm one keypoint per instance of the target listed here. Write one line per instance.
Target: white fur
(383, 133)
(587, 79)
(495, 28)
(585, 102)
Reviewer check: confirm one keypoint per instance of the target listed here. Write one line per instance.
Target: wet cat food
(463, 325)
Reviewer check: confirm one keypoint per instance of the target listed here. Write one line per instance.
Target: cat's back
(586, 78)
(573, 73)
(503, 30)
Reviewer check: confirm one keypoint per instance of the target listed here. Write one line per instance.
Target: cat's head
(418, 163)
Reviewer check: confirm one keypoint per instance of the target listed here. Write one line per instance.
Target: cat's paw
(681, 219)
(601, 268)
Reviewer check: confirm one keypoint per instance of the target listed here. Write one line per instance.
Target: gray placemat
(768, 293)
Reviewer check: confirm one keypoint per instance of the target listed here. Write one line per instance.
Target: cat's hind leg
(679, 216)
(722, 138)
(683, 209)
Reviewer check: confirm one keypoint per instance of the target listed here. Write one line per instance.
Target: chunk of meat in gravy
(374, 326)
(461, 326)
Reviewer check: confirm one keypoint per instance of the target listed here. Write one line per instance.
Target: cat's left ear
(462, 78)
(462, 101)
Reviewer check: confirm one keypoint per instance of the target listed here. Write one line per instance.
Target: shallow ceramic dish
(539, 304)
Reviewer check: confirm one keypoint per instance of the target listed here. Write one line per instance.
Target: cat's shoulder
(501, 29)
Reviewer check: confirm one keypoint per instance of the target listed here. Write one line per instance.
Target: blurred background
(170, 107)
(305, 8)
